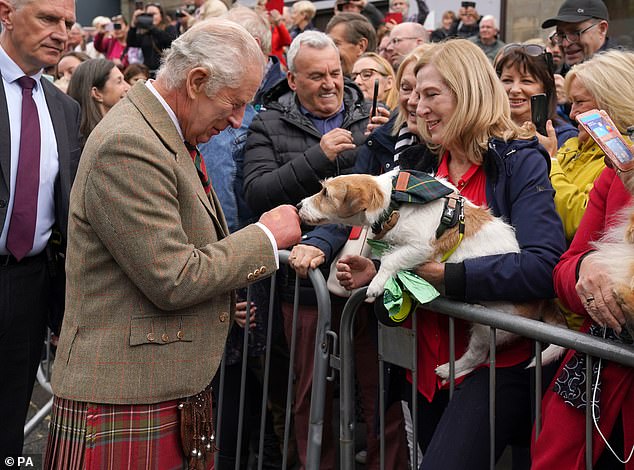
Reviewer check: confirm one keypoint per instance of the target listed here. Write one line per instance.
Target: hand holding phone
(605, 133)
(375, 98)
(539, 112)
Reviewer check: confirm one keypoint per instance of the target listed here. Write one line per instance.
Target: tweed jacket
(150, 268)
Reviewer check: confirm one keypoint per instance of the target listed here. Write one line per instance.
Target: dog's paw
(375, 289)
(443, 371)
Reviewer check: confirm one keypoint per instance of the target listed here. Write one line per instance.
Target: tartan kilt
(94, 436)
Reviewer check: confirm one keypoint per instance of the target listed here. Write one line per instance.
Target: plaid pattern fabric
(102, 437)
(417, 187)
(200, 166)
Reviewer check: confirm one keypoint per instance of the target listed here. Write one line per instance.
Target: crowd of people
(150, 172)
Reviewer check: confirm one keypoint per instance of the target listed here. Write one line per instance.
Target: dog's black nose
(299, 206)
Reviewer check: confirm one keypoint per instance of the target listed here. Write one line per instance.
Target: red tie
(199, 163)
(22, 226)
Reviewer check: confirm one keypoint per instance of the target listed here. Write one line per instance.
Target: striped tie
(199, 163)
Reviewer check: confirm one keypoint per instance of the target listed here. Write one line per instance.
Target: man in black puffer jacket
(310, 130)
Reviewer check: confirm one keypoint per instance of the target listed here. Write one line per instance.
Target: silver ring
(589, 300)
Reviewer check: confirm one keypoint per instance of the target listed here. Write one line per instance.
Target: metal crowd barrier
(321, 365)
(398, 346)
(320, 372)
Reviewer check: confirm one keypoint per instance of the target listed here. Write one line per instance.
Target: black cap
(577, 11)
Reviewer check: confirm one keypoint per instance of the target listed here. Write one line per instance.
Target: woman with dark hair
(97, 85)
(152, 33)
(526, 70)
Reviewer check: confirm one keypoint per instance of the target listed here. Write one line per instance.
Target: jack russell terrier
(425, 219)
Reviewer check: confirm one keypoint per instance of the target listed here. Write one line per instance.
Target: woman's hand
(434, 273)
(354, 271)
(240, 316)
(596, 292)
(549, 141)
(382, 116)
(305, 257)
(134, 17)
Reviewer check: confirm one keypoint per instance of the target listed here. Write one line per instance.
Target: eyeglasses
(532, 50)
(558, 38)
(397, 41)
(366, 74)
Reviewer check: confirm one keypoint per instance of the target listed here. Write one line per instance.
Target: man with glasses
(581, 30)
(404, 38)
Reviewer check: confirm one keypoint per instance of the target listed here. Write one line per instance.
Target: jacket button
(256, 272)
(165, 337)
(250, 277)
(180, 335)
(150, 337)
(3, 203)
(387, 165)
(262, 269)
(223, 317)
(370, 143)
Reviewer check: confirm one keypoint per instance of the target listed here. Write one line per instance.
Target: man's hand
(562, 98)
(336, 141)
(240, 316)
(305, 257)
(283, 222)
(354, 271)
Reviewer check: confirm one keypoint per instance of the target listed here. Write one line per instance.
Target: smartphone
(138, 5)
(539, 112)
(468, 4)
(375, 98)
(110, 27)
(601, 128)
(117, 26)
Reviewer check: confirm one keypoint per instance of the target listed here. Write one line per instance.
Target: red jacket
(280, 38)
(561, 444)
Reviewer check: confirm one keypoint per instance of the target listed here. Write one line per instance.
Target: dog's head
(348, 199)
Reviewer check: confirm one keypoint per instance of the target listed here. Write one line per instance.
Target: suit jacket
(150, 268)
(65, 114)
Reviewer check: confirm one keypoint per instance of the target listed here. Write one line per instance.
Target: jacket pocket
(162, 330)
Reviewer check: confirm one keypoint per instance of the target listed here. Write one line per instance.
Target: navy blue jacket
(518, 190)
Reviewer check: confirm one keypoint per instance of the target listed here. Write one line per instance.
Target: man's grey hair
(221, 46)
(256, 25)
(314, 39)
(490, 18)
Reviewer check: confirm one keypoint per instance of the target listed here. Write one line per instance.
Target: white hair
(256, 25)
(314, 39)
(490, 18)
(221, 46)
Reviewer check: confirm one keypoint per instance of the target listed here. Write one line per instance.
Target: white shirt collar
(169, 110)
(12, 71)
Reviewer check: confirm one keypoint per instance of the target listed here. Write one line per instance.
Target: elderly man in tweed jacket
(151, 267)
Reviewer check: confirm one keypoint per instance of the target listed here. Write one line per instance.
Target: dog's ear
(361, 197)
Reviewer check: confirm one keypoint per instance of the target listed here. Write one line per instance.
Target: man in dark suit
(39, 154)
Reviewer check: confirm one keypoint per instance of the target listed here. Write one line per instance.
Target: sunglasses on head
(531, 50)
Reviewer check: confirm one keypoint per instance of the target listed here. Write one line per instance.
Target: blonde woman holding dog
(464, 116)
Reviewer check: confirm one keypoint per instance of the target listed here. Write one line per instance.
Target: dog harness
(452, 214)
(414, 187)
